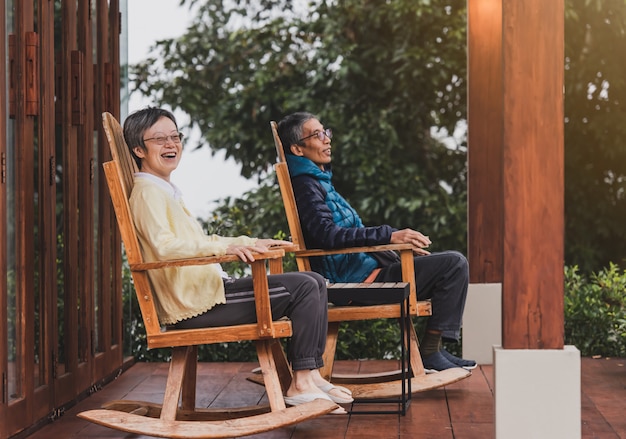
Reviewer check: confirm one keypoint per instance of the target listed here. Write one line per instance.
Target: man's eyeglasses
(320, 135)
(162, 140)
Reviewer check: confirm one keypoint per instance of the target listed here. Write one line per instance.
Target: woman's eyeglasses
(162, 140)
(320, 135)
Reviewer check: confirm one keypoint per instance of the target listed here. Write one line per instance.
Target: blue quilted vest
(354, 267)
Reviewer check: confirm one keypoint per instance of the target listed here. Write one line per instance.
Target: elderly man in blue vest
(329, 222)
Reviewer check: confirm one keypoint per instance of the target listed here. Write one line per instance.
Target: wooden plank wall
(67, 261)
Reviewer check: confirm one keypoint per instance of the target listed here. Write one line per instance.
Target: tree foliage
(595, 133)
(381, 74)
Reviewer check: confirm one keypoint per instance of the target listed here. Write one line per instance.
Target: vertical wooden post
(516, 73)
(533, 71)
(485, 134)
(515, 191)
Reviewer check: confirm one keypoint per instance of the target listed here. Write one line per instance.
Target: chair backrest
(119, 174)
(119, 151)
(289, 199)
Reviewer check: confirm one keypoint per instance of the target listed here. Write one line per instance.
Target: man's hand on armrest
(409, 236)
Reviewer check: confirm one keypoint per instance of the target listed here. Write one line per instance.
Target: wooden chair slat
(127, 164)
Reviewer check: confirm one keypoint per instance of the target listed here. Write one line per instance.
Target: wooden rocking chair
(363, 386)
(172, 420)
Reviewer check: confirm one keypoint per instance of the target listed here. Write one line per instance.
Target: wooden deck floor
(464, 410)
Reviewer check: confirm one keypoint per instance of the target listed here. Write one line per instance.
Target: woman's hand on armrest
(244, 252)
(273, 242)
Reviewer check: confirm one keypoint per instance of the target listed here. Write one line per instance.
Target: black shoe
(459, 362)
(436, 362)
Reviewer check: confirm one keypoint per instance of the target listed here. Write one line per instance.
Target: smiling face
(160, 160)
(314, 149)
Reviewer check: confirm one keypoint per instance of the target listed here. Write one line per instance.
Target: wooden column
(486, 125)
(516, 163)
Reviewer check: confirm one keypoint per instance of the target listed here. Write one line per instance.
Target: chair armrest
(265, 325)
(290, 248)
(406, 259)
(369, 249)
(205, 260)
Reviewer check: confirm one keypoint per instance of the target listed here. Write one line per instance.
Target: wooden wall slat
(114, 106)
(44, 402)
(66, 386)
(20, 409)
(85, 192)
(3, 234)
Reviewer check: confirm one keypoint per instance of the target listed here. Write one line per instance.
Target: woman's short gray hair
(137, 123)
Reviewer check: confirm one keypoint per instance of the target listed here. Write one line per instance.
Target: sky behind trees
(202, 178)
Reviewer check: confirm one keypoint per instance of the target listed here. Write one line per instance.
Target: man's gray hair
(290, 129)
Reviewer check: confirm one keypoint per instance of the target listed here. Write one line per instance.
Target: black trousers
(443, 278)
(300, 296)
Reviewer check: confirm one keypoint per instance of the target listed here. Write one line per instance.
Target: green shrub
(595, 316)
(595, 311)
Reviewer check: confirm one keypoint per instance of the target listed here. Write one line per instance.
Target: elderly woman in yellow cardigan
(203, 296)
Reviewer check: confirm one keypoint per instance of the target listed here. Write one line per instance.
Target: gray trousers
(300, 296)
(443, 278)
